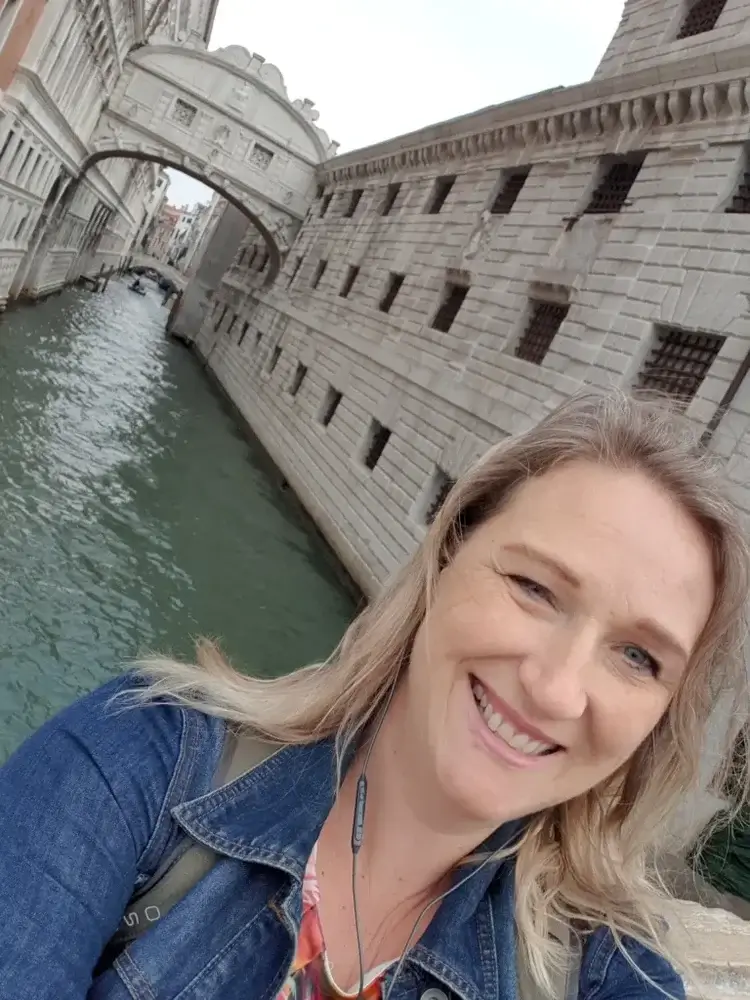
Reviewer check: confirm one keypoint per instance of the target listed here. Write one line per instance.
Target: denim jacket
(93, 801)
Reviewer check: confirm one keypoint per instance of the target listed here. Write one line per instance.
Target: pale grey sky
(378, 70)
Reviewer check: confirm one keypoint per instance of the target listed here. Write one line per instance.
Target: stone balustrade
(611, 114)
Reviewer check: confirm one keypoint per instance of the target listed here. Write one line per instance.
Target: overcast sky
(376, 70)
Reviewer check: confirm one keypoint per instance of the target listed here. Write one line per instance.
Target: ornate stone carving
(260, 157)
(480, 238)
(670, 106)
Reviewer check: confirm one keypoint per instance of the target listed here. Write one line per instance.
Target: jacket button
(434, 995)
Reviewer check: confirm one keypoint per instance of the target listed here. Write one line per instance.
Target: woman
(483, 768)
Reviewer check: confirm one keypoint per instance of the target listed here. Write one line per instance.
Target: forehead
(616, 529)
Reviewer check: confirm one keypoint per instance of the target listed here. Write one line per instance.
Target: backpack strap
(175, 878)
(564, 981)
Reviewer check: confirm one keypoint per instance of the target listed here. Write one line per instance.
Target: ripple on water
(134, 515)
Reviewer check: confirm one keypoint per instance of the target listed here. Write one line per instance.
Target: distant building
(160, 241)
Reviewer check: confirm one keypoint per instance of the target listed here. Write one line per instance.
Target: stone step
(718, 943)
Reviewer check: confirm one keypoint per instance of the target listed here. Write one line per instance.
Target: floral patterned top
(310, 978)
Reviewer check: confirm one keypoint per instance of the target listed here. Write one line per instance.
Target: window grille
(701, 17)
(545, 320)
(613, 190)
(679, 361)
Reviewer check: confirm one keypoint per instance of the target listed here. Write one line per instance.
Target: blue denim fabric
(94, 800)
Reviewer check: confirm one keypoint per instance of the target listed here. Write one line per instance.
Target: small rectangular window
(453, 299)
(395, 281)
(258, 338)
(325, 204)
(320, 270)
(612, 192)
(263, 263)
(245, 328)
(299, 377)
(274, 359)
(545, 320)
(320, 190)
(679, 361)
(351, 277)
(701, 17)
(295, 272)
(440, 487)
(440, 192)
(391, 195)
(8, 139)
(354, 200)
(512, 185)
(377, 439)
(330, 404)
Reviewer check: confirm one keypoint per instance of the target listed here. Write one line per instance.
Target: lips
(509, 726)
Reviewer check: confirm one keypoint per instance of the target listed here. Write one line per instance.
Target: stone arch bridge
(178, 279)
(226, 119)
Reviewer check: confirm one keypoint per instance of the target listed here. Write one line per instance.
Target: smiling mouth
(515, 738)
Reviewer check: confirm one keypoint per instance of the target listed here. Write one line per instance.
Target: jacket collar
(273, 816)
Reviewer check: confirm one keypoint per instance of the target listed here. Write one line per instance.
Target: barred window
(545, 320)
(701, 17)
(613, 189)
(679, 361)
(440, 487)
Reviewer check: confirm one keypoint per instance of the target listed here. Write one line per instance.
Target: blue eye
(532, 588)
(641, 660)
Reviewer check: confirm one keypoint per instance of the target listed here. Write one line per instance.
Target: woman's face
(556, 640)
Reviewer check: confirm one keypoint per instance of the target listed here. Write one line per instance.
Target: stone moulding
(614, 112)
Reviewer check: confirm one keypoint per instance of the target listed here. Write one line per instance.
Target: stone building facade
(60, 61)
(451, 286)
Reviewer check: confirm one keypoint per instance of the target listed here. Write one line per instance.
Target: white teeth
(496, 724)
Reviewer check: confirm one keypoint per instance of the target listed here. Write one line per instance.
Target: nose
(554, 675)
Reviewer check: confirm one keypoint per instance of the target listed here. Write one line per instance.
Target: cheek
(624, 719)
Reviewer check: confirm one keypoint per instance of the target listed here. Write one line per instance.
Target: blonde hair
(590, 859)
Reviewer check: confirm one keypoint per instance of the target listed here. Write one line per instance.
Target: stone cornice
(615, 111)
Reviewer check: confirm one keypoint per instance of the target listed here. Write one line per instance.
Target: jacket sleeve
(606, 974)
(79, 803)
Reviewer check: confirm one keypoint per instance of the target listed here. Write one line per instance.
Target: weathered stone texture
(321, 363)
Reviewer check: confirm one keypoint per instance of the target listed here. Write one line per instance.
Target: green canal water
(135, 515)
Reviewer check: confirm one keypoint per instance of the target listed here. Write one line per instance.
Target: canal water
(135, 516)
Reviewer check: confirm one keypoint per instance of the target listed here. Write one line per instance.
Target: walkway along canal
(135, 516)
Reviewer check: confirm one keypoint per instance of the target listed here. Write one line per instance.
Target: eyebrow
(646, 626)
(522, 549)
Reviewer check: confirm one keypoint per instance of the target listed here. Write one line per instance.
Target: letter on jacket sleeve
(79, 802)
